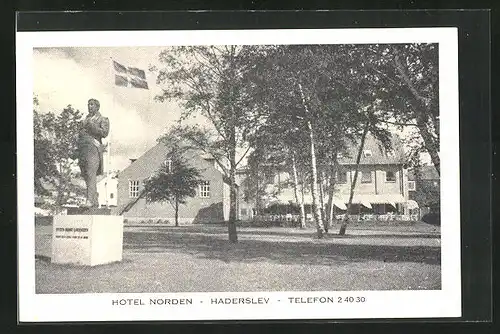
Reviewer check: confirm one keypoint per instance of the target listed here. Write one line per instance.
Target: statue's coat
(93, 130)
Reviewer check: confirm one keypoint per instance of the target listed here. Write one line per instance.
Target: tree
(296, 191)
(354, 181)
(306, 95)
(407, 78)
(174, 182)
(66, 128)
(254, 184)
(208, 81)
(55, 138)
(45, 169)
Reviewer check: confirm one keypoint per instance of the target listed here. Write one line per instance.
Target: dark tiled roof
(426, 173)
(161, 150)
(378, 152)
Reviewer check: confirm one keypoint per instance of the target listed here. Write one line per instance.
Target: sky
(64, 76)
(72, 75)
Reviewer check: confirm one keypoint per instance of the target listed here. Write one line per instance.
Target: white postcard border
(379, 304)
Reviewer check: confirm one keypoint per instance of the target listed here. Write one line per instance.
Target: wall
(378, 184)
(112, 188)
(197, 209)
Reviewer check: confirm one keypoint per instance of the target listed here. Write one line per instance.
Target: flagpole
(118, 81)
(108, 164)
(108, 172)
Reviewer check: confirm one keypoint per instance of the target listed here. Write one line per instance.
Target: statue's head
(94, 106)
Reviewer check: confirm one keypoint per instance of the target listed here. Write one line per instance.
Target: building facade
(209, 205)
(381, 188)
(382, 182)
(107, 188)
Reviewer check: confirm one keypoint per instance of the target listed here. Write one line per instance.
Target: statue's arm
(104, 127)
(99, 128)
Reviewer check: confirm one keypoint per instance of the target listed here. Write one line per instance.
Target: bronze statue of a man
(90, 150)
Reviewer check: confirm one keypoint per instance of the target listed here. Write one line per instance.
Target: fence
(290, 218)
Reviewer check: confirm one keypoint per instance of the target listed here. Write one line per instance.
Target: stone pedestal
(87, 239)
(89, 211)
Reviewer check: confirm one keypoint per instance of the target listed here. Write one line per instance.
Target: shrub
(44, 220)
(432, 218)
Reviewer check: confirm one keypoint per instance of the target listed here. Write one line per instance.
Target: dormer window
(367, 153)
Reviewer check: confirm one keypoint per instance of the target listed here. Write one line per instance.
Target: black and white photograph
(217, 175)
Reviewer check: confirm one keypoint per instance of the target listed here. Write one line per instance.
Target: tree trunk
(343, 227)
(322, 200)
(424, 105)
(430, 143)
(302, 207)
(176, 212)
(257, 191)
(232, 234)
(331, 193)
(296, 192)
(314, 191)
(233, 237)
(59, 188)
(330, 208)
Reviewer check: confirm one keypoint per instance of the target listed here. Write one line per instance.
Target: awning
(339, 204)
(287, 196)
(412, 204)
(367, 200)
(366, 205)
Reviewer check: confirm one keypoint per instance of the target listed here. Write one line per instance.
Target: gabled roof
(157, 154)
(425, 173)
(379, 156)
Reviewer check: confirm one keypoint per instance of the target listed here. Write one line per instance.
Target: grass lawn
(199, 258)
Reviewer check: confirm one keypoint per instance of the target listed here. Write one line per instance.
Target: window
(366, 177)
(390, 153)
(390, 176)
(111, 195)
(133, 188)
(341, 177)
(367, 153)
(269, 177)
(411, 185)
(168, 165)
(243, 212)
(205, 189)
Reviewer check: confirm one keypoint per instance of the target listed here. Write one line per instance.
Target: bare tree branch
(243, 156)
(399, 66)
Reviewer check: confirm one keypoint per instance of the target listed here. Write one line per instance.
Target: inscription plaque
(87, 239)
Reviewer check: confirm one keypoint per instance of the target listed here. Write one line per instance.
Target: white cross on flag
(131, 77)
